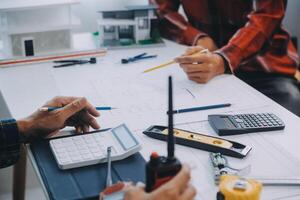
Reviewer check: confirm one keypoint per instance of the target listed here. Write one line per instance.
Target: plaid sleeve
(173, 25)
(9, 143)
(265, 17)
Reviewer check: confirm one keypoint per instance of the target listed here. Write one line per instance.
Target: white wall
(291, 21)
(88, 10)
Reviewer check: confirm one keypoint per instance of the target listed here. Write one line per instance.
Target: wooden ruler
(52, 57)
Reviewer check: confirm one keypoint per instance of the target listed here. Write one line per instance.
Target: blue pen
(146, 57)
(105, 108)
(202, 108)
(49, 109)
(138, 57)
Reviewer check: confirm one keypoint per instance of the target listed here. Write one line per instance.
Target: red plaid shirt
(249, 34)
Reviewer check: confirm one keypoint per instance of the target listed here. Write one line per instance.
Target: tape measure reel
(237, 188)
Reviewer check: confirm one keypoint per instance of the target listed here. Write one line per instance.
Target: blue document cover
(85, 182)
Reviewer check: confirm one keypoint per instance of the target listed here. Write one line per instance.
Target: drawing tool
(136, 58)
(68, 63)
(52, 57)
(159, 66)
(49, 109)
(201, 108)
(92, 60)
(170, 63)
(108, 176)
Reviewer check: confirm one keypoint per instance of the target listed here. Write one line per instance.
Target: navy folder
(84, 182)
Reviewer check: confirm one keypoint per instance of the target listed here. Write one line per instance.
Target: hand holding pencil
(189, 52)
(74, 111)
(198, 63)
(201, 67)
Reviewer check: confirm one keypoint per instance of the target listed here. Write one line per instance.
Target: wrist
(225, 62)
(220, 63)
(24, 127)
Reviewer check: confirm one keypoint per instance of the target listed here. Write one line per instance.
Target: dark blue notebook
(84, 182)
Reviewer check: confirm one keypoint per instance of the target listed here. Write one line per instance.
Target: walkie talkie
(161, 169)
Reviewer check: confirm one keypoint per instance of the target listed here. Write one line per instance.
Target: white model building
(36, 27)
(130, 26)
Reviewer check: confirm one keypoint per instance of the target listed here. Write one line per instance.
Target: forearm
(9, 143)
(25, 127)
(12, 134)
(265, 18)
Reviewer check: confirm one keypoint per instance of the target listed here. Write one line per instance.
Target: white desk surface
(27, 88)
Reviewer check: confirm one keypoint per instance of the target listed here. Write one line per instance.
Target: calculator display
(124, 137)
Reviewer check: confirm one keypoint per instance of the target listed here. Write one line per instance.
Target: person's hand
(201, 67)
(177, 188)
(77, 112)
(206, 42)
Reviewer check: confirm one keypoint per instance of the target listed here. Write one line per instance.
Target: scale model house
(35, 27)
(132, 26)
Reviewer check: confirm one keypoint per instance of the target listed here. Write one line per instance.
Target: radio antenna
(170, 122)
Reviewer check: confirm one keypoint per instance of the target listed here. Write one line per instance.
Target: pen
(170, 63)
(67, 63)
(108, 176)
(201, 108)
(49, 109)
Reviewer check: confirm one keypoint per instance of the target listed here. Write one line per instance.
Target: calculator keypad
(245, 123)
(259, 120)
(78, 149)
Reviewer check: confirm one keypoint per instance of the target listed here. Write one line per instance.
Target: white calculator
(89, 149)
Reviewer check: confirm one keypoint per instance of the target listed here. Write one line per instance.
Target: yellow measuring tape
(237, 188)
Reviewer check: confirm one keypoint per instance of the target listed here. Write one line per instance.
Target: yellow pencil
(170, 63)
(159, 66)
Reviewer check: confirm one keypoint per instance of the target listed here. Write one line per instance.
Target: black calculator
(245, 123)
